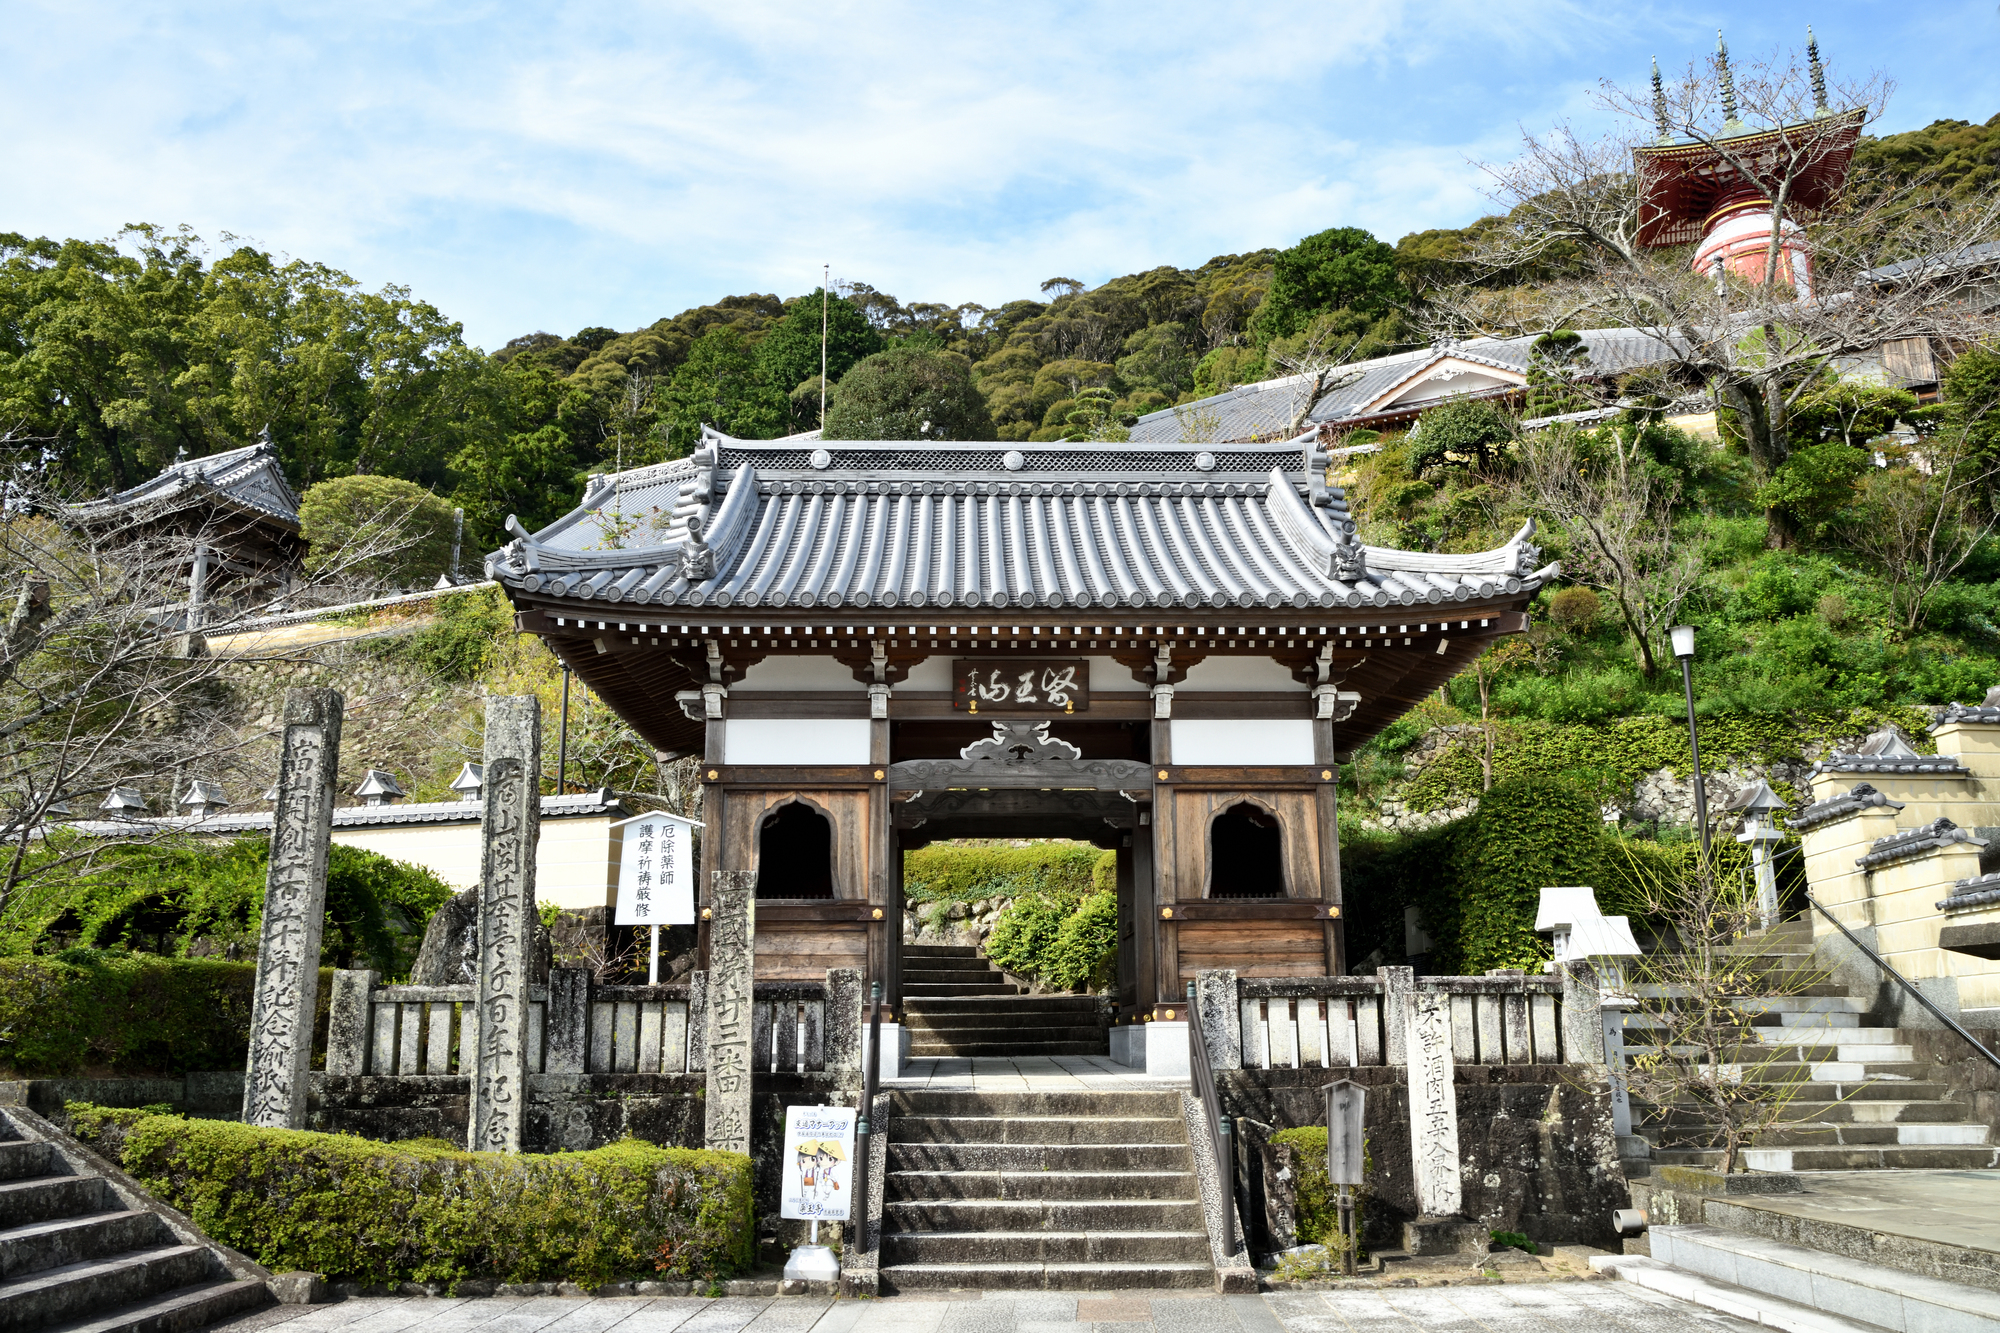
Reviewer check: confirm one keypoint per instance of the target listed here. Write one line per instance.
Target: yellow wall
(576, 862)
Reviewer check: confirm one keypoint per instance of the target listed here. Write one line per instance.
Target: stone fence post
(347, 1021)
(509, 829)
(1397, 982)
(1582, 1013)
(566, 1022)
(842, 1041)
(1220, 1014)
(281, 1013)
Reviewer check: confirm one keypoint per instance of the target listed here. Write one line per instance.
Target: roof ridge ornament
(1660, 106)
(1023, 742)
(1820, 107)
(1731, 122)
(697, 556)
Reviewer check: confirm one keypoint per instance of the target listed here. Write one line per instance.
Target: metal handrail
(1204, 1088)
(1904, 982)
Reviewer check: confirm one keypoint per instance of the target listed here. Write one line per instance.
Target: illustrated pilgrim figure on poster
(825, 1172)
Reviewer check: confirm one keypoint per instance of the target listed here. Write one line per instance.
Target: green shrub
(1316, 1199)
(168, 899)
(1085, 949)
(126, 1014)
(378, 528)
(971, 870)
(460, 642)
(1026, 931)
(370, 1212)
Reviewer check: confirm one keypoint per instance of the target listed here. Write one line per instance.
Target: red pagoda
(1720, 192)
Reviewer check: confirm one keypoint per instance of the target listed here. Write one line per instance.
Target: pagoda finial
(1731, 123)
(1818, 73)
(1660, 106)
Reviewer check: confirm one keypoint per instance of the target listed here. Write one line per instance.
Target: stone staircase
(1057, 1191)
(956, 1003)
(77, 1256)
(1862, 1102)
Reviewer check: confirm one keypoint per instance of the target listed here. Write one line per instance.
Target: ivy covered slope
(375, 1213)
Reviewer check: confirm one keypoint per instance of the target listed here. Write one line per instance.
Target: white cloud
(530, 167)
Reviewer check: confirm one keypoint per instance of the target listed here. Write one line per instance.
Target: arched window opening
(1245, 854)
(795, 854)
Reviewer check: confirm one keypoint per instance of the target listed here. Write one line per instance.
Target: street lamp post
(1683, 641)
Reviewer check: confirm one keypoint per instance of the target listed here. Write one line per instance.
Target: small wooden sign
(1032, 686)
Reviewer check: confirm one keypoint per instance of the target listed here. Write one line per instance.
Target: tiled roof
(1257, 411)
(603, 801)
(773, 524)
(1861, 796)
(1887, 752)
(249, 479)
(1915, 842)
(1988, 711)
(1979, 891)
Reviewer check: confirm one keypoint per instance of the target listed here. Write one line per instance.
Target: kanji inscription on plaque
(1018, 686)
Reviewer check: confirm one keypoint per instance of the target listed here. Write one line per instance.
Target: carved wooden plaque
(1020, 686)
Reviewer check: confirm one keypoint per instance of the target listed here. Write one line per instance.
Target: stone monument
(509, 829)
(732, 931)
(1433, 1104)
(281, 1014)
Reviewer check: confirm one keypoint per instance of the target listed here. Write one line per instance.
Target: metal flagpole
(562, 738)
(826, 278)
(653, 963)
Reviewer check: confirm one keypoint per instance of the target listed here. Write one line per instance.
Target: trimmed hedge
(971, 870)
(84, 1011)
(1063, 936)
(370, 1212)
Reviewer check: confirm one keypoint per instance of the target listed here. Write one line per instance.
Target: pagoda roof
(249, 481)
(1390, 389)
(1681, 185)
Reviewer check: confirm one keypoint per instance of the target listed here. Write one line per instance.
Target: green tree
(909, 393)
(1972, 402)
(720, 385)
(379, 529)
(1556, 363)
(789, 352)
(1815, 488)
(1459, 432)
(532, 476)
(1343, 268)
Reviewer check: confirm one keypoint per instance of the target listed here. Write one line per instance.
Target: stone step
(901, 1278)
(69, 1240)
(988, 1027)
(1836, 1284)
(971, 970)
(1845, 1034)
(1035, 1129)
(22, 1160)
(940, 951)
(1801, 1004)
(1911, 1158)
(44, 1198)
(987, 1216)
(1042, 1006)
(1049, 1247)
(922, 1050)
(1826, 1135)
(1848, 1113)
(180, 1311)
(950, 989)
(1889, 1090)
(1039, 1156)
(1792, 990)
(1811, 1051)
(1037, 1185)
(79, 1291)
(1139, 1104)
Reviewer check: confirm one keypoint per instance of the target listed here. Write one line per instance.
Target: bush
(1528, 834)
(909, 393)
(971, 870)
(1316, 1199)
(382, 529)
(459, 643)
(1026, 931)
(177, 898)
(1575, 610)
(128, 1015)
(1085, 949)
(370, 1212)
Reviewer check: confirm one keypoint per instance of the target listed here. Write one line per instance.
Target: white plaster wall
(787, 675)
(788, 740)
(1242, 741)
(575, 861)
(1249, 674)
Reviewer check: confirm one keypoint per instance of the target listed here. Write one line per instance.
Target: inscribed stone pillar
(509, 829)
(281, 1014)
(1433, 1103)
(846, 1015)
(731, 961)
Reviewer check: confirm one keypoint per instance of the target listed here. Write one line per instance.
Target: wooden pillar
(1145, 913)
(1160, 883)
(1326, 803)
(892, 983)
(1128, 927)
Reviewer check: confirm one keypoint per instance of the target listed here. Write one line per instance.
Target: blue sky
(555, 166)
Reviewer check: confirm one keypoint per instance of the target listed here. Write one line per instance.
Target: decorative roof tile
(1979, 891)
(1987, 711)
(1861, 796)
(1886, 751)
(1915, 842)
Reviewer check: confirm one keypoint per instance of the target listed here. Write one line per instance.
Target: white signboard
(656, 871)
(818, 1164)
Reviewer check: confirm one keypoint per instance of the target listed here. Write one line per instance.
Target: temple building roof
(771, 524)
(247, 480)
(1388, 389)
(677, 577)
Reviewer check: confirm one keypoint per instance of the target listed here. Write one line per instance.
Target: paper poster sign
(819, 1163)
(656, 871)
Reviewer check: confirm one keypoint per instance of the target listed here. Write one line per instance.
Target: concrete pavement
(1570, 1307)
